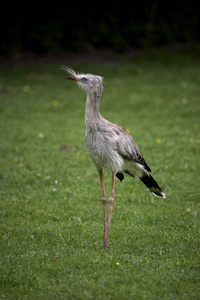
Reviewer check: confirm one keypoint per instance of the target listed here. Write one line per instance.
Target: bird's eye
(84, 79)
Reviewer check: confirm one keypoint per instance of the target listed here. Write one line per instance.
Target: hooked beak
(72, 78)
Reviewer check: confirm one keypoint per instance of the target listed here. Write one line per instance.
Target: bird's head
(89, 82)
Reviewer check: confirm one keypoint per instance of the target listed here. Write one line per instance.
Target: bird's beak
(72, 78)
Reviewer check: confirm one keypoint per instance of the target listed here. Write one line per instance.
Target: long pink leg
(111, 203)
(104, 199)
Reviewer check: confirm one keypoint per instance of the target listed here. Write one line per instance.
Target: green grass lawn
(51, 213)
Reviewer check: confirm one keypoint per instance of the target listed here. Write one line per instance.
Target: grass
(51, 213)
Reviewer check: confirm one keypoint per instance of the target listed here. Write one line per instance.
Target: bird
(110, 146)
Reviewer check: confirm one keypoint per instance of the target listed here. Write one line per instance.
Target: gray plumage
(109, 145)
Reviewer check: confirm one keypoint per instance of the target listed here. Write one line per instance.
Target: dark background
(88, 25)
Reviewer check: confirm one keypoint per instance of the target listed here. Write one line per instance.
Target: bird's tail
(152, 185)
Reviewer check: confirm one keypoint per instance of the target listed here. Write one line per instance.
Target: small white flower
(184, 100)
(183, 83)
(41, 135)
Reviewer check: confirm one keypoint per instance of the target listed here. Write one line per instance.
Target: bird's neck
(92, 114)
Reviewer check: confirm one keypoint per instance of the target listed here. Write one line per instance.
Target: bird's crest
(68, 70)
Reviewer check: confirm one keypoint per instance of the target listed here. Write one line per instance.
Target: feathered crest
(68, 70)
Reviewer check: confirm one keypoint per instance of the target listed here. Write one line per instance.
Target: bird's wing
(126, 146)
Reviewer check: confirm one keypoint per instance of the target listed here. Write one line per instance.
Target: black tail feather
(120, 176)
(152, 185)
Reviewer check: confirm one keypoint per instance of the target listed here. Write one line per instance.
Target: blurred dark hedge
(53, 30)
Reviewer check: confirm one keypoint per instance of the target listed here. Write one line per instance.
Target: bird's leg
(104, 199)
(111, 203)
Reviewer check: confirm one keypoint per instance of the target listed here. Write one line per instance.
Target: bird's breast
(102, 151)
